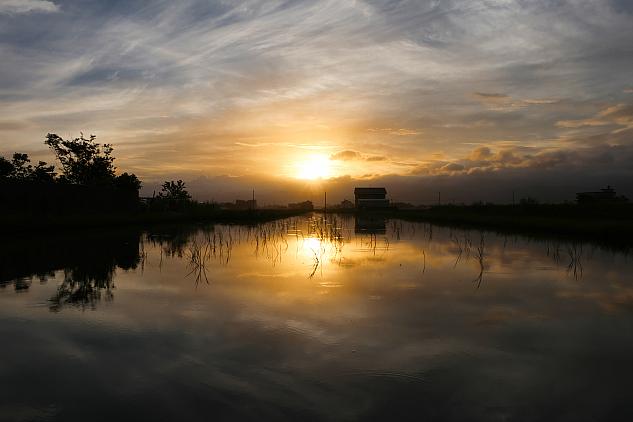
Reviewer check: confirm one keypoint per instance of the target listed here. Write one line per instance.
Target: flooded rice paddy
(310, 319)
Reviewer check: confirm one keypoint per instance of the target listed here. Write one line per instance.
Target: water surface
(311, 319)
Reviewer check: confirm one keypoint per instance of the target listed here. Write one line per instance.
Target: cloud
(619, 114)
(490, 95)
(376, 158)
(345, 156)
(537, 101)
(396, 132)
(597, 157)
(452, 167)
(12, 125)
(349, 155)
(233, 87)
(481, 153)
(503, 102)
(570, 124)
(26, 6)
(406, 132)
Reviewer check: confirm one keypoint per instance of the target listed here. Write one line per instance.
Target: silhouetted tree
(174, 191)
(42, 172)
(19, 168)
(84, 161)
(6, 168)
(127, 182)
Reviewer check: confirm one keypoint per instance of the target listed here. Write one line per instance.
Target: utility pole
(324, 201)
(439, 198)
(513, 198)
(253, 202)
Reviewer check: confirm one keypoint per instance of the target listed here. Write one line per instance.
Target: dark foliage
(88, 272)
(172, 197)
(174, 191)
(83, 160)
(87, 183)
(42, 172)
(127, 181)
(20, 169)
(6, 168)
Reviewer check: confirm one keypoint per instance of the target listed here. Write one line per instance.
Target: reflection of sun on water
(312, 245)
(314, 249)
(313, 167)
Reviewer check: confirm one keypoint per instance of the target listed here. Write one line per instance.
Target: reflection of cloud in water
(389, 337)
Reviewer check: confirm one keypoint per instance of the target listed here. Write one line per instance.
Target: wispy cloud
(345, 156)
(349, 155)
(26, 6)
(220, 87)
(504, 102)
(618, 114)
(397, 132)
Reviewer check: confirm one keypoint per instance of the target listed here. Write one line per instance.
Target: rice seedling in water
(479, 256)
(198, 256)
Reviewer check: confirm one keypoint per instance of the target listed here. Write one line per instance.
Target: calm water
(306, 319)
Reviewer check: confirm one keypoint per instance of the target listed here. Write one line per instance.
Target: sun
(316, 166)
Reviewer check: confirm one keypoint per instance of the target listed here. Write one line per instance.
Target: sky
(473, 98)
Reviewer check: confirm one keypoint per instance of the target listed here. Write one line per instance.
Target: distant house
(606, 195)
(371, 198)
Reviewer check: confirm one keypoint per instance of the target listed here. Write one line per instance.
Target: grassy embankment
(607, 224)
(15, 224)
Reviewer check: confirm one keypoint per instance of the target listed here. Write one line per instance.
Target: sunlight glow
(312, 244)
(313, 167)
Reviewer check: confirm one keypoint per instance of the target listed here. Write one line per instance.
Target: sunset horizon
(316, 210)
(453, 94)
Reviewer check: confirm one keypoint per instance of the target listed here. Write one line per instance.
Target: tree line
(84, 162)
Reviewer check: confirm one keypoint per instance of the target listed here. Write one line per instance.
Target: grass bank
(604, 224)
(25, 223)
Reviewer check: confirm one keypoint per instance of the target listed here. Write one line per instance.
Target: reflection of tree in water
(173, 240)
(89, 262)
(23, 283)
(85, 284)
(82, 289)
